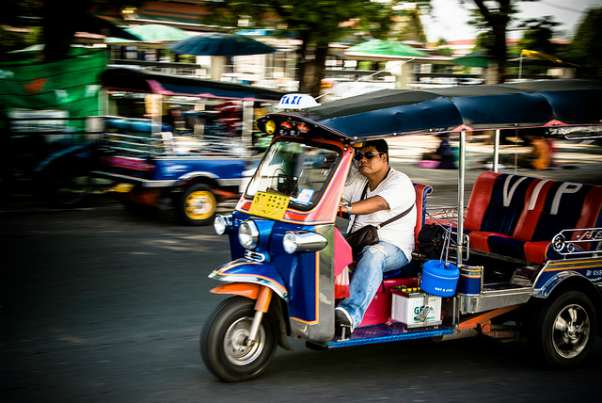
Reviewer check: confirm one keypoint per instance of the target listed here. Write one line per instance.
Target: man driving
(378, 194)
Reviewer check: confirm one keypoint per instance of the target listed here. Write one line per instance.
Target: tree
(61, 19)
(443, 48)
(316, 24)
(412, 30)
(538, 34)
(494, 16)
(586, 49)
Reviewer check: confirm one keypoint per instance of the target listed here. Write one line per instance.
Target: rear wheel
(223, 343)
(564, 329)
(197, 205)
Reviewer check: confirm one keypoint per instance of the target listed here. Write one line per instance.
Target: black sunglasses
(369, 155)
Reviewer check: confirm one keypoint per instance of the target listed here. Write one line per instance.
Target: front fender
(248, 271)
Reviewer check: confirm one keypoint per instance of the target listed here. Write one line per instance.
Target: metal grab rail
(577, 242)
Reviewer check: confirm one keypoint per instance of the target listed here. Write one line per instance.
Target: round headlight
(248, 234)
(303, 241)
(289, 243)
(220, 224)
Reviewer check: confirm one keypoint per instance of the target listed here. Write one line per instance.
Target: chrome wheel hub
(237, 347)
(571, 331)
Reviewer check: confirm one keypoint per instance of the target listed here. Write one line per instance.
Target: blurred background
(113, 107)
(76, 74)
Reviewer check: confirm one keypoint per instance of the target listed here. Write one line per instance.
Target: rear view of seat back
(496, 202)
(422, 192)
(567, 205)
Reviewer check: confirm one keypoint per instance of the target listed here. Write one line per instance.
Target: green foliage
(586, 49)
(538, 35)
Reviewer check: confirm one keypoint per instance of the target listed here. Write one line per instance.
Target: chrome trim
(489, 300)
(196, 174)
(255, 256)
(230, 182)
(567, 241)
(149, 183)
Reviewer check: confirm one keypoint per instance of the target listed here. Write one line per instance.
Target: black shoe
(343, 323)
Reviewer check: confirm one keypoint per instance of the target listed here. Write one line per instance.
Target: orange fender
(246, 290)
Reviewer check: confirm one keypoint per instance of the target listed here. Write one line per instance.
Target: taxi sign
(297, 101)
(269, 205)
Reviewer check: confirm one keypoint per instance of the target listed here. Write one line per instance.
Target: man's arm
(369, 205)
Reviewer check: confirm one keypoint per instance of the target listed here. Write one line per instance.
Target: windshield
(297, 170)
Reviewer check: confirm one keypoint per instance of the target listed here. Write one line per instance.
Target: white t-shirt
(398, 191)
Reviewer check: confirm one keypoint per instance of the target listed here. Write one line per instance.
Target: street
(99, 305)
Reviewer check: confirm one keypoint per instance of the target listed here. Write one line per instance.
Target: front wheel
(564, 329)
(224, 347)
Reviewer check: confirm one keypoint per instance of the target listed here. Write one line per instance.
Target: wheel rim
(235, 342)
(571, 330)
(199, 205)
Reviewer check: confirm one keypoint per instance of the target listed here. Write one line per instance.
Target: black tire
(563, 329)
(197, 205)
(231, 317)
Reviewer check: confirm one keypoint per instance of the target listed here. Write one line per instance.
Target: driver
(389, 193)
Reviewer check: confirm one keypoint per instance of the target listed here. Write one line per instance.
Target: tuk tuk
(527, 250)
(181, 142)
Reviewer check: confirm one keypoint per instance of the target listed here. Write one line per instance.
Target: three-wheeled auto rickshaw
(527, 250)
(181, 142)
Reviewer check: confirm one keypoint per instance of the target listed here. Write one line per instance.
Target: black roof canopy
(395, 112)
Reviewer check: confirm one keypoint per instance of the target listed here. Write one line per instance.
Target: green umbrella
(154, 33)
(385, 49)
(474, 59)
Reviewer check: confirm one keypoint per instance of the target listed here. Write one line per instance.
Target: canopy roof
(385, 49)
(395, 112)
(125, 79)
(219, 44)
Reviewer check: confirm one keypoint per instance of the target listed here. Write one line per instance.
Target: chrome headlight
(248, 234)
(221, 224)
(303, 241)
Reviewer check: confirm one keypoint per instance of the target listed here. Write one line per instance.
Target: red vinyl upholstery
(422, 191)
(518, 216)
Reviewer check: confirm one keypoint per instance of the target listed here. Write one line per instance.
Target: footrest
(387, 334)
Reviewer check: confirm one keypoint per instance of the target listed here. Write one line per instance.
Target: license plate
(269, 205)
(122, 187)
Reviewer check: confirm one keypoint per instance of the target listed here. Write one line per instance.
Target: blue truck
(193, 147)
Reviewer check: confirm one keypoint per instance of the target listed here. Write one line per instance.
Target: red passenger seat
(495, 206)
(517, 216)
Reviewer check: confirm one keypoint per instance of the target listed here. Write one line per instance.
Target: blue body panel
(298, 272)
(387, 334)
(167, 168)
(558, 271)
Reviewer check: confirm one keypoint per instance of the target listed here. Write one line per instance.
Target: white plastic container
(409, 308)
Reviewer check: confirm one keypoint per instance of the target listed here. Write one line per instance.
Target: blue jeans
(368, 275)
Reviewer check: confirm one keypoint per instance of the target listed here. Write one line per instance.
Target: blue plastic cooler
(439, 278)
